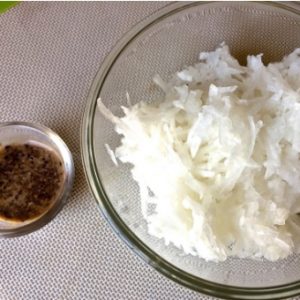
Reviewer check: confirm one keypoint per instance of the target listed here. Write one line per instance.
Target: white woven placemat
(49, 54)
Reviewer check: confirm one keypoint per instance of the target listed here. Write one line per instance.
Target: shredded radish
(218, 157)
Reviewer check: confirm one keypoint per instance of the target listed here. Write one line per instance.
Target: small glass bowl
(21, 133)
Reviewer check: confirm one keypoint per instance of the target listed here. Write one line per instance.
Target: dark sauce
(31, 178)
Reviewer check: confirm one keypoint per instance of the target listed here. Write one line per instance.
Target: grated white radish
(220, 155)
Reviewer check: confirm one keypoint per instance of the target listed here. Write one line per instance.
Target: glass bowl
(22, 133)
(162, 44)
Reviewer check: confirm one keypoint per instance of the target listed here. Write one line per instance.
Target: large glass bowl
(164, 43)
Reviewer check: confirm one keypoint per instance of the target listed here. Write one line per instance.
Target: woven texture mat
(50, 53)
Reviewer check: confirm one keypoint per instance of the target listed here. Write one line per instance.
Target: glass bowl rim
(108, 211)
